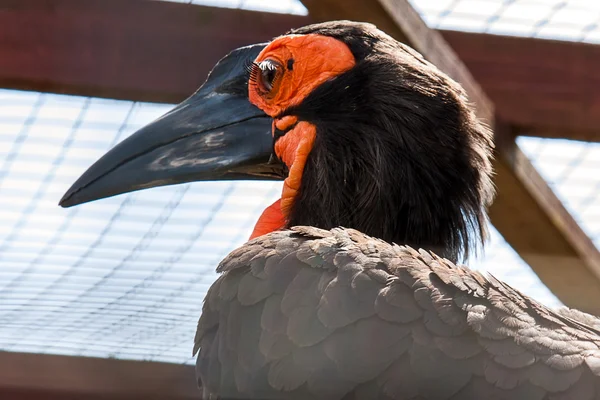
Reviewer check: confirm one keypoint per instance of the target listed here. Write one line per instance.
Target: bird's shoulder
(422, 315)
(471, 291)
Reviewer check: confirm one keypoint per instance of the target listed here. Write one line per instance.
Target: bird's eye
(266, 73)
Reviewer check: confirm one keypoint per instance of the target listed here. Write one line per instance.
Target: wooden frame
(140, 50)
(160, 51)
(544, 88)
(25, 376)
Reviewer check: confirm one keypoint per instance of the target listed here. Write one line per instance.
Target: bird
(351, 285)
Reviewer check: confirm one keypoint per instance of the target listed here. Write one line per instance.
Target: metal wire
(574, 20)
(125, 276)
(572, 169)
(278, 6)
(135, 270)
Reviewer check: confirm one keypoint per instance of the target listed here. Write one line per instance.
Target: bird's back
(309, 313)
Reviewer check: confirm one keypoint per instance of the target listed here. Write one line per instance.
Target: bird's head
(365, 132)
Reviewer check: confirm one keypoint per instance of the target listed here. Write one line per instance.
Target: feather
(502, 347)
(251, 289)
(228, 288)
(451, 343)
(375, 343)
(563, 362)
(520, 360)
(592, 360)
(458, 347)
(281, 272)
(285, 375)
(430, 365)
(553, 381)
(400, 380)
(501, 376)
(249, 357)
(272, 318)
(274, 346)
(305, 328)
(583, 390)
(302, 291)
(395, 303)
(339, 306)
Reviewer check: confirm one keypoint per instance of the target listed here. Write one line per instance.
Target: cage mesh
(574, 20)
(125, 277)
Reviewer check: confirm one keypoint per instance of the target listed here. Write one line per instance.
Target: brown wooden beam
(526, 211)
(536, 224)
(25, 376)
(134, 49)
(544, 87)
(161, 51)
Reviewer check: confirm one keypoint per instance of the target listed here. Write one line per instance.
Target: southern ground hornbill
(369, 136)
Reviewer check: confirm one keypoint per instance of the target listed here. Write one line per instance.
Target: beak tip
(64, 202)
(68, 199)
(215, 134)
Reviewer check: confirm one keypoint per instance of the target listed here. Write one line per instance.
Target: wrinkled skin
(314, 314)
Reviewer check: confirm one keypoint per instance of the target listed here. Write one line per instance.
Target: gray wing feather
(312, 314)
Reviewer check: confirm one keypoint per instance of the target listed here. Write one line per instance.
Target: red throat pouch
(293, 149)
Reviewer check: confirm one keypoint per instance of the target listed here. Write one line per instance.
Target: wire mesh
(273, 6)
(572, 169)
(574, 20)
(125, 277)
(78, 280)
(122, 277)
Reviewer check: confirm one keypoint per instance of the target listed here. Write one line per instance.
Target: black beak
(216, 134)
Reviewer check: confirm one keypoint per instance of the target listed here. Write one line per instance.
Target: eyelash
(252, 69)
(255, 69)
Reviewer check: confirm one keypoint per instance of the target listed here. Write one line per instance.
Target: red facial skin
(314, 59)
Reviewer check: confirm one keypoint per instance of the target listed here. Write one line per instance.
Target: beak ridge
(216, 134)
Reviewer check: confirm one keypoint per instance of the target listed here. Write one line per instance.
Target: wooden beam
(536, 224)
(544, 87)
(135, 49)
(161, 51)
(26, 376)
(140, 50)
(526, 211)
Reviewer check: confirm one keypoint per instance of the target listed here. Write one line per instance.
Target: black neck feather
(399, 154)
